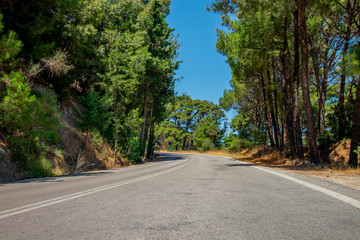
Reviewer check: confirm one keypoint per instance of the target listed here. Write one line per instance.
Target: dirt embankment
(66, 157)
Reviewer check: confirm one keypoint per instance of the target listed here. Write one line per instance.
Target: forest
(295, 77)
(295, 80)
(105, 71)
(295, 73)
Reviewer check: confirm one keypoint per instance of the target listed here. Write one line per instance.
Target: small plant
(40, 167)
(97, 139)
(357, 151)
(325, 140)
(133, 153)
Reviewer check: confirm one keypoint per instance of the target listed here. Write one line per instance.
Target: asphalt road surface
(182, 196)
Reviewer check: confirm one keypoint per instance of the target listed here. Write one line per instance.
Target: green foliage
(128, 138)
(262, 45)
(17, 105)
(95, 116)
(204, 144)
(39, 24)
(32, 122)
(10, 47)
(119, 56)
(97, 139)
(193, 124)
(326, 140)
(234, 144)
(46, 123)
(133, 147)
(357, 151)
(333, 118)
(39, 166)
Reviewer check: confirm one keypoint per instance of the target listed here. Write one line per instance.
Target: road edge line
(353, 202)
(33, 206)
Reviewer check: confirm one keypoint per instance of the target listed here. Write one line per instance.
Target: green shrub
(16, 107)
(325, 140)
(18, 150)
(133, 148)
(31, 119)
(236, 145)
(96, 115)
(39, 166)
(205, 145)
(97, 139)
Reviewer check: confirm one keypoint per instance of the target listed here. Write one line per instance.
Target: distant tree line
(295, 72)
(117, 57)
(191, 125)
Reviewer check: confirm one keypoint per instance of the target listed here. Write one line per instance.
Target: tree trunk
(296, 109)
(322, 100)
(116, 131)
(149, 132)
(267, 122)
(355, 140)
(184, 143)
(191, 143)
(142, 135)
(277, 119)
(341, 133)
(276, 107)
(286, 86)
(321, 82)
(273, 116)
(314, 155)
(321, 85)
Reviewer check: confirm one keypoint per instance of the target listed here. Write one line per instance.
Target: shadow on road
(239, 165)
(163, 157)
(57, 179)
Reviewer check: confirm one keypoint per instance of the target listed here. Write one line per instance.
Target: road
(182, 196)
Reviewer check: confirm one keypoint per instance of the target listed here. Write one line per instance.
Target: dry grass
(275, 159)
(218, 152)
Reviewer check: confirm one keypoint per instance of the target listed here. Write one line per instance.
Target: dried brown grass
(93, 158)
(275, 159)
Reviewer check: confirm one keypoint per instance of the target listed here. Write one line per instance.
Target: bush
(325, 140)
(236, 145)
(96, 115)
(133, 148)
(97, 139)
(16, 106)
(39, 166)
(31, 119)
(205, 145)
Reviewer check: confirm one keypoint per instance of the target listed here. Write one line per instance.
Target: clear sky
(205, 72)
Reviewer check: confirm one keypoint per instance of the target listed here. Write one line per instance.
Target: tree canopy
(290, 63)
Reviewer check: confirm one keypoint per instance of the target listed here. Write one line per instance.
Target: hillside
(82, 84)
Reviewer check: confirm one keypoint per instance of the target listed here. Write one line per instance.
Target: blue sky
(205, 72)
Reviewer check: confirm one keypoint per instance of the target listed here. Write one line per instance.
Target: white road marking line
(49, 202)
(353, 202)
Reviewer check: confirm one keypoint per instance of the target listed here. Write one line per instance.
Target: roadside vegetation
(295, 84)
(295, 75)
(336, 172)
(83, 83)
(89, 84)
(192, 124)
